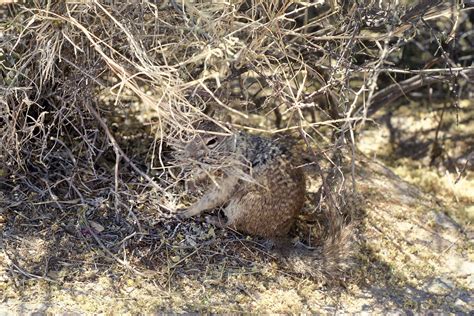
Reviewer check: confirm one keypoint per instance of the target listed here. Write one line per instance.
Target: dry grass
(94, 95)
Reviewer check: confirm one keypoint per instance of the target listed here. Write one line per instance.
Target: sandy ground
(414, 253)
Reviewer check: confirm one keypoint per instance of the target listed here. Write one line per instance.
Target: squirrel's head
(211, 141)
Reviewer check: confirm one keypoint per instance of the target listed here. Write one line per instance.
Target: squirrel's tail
(330, 260)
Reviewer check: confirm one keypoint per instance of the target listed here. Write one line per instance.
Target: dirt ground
(414, 246)
(96, 94)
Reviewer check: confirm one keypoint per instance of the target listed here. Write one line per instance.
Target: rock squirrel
(261, 186)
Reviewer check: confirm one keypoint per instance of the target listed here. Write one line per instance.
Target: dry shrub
(94, 93)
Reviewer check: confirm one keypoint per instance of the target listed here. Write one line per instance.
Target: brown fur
(265, 204)
(264, 191)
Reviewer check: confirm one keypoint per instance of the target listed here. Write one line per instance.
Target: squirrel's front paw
(186, 213)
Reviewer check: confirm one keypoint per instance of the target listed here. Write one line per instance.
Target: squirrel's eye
(211, 142)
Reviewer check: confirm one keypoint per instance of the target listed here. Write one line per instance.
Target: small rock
(470, 282)
(460, 266)
(440, 286)
(459, 303)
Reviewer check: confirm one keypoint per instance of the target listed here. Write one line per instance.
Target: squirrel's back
(269, 205)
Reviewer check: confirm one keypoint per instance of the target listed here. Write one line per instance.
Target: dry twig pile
(94, 93)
